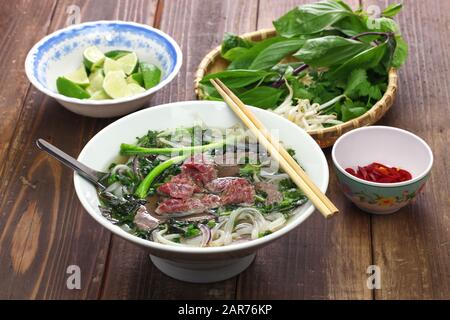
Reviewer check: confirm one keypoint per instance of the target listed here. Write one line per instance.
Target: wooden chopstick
(275, 142)
(287, 163)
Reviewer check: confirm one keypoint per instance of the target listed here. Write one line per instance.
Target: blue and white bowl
(62, 52)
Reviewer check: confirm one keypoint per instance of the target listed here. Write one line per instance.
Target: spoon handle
(86, 172)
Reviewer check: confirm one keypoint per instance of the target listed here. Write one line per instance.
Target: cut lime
(93, 58)
(116, 54)
(129, 63)
(95, 81)
(100, 95)
(78, 77)
(115, 84)
(136, 78)
(151, 74)
(111, 65)
(71, 89)
(133, 88)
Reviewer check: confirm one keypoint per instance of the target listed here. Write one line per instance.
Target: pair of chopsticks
(287, 163)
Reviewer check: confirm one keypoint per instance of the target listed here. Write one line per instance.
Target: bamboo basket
(213, 62)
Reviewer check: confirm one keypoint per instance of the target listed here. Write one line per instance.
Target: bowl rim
(379, 184)
(194, 250)
(58, 96)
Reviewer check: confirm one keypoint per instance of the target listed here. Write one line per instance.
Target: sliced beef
(184, 178)
(200, 168)
(273, 195)
(143, 220)
(211, 201)
(192, 205)
(233, 190)
(177, 190)
(220, 184)
(239, 191)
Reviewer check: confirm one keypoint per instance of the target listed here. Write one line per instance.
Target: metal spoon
(94, 177)
(91, 175)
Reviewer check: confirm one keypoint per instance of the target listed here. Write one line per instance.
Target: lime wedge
(116, 54)
(70, 89)
(136, 78)
(129, 63)
(151, 74)
(78, 77)
(100, 95)
(133, 88)
(93, 58)
(111, 65)
(115, 84)
(95, 81)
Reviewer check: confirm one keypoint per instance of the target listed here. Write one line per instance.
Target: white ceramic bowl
(189, 263)
(62, 52)
(389, 146)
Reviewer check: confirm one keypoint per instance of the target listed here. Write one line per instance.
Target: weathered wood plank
(412, 247)
(22, 23)
(321, 259)
(44, 228)
(197, 26)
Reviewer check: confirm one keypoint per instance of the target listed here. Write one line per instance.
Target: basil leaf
(230, 41)
(244, 61)
(364, 60)
(392, 10)
(237, 78)
(234, 53)
(210, 92)
(400, 53)
(351, 25)
(274, 53)
(311, 18)
(262, 97)
(329, 51)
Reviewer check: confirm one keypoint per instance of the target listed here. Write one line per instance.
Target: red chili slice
(377, 172)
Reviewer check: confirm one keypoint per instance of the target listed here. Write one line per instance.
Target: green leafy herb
(392, 10)
(323, 52)
(358, 85)
(329, 51)
(262, 97)
(311, 18)
(351, 110)
(274, 53)
(244, 61)
(366, 59)
(232, 41)
(401, 52)
(237, 78)
(192, 231)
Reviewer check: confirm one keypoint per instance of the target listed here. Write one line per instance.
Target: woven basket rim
(346, 126)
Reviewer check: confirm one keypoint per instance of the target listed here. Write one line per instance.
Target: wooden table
(44, 229)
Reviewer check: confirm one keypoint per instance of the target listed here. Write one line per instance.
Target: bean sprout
(306, 115)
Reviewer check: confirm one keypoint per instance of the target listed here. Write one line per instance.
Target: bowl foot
(202, 271)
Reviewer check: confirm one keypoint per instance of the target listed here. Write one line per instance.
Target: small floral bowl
(62, 52)
(387, 145)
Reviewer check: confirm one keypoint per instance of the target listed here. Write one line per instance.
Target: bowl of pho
(190, 183)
